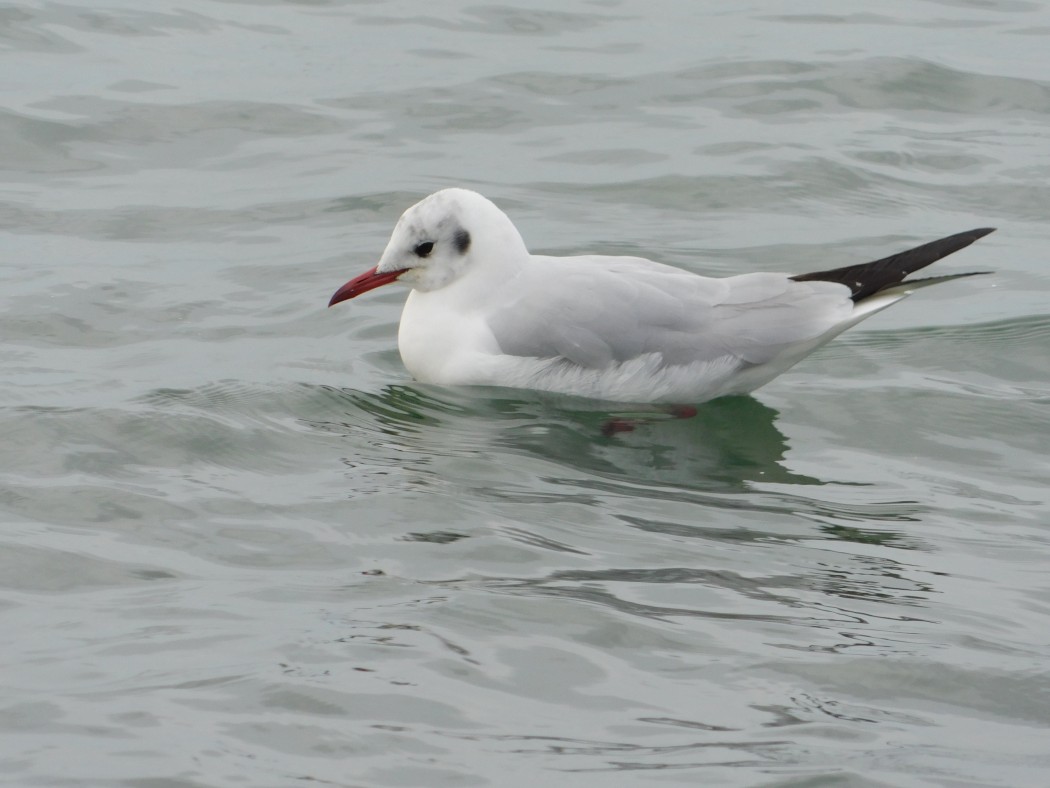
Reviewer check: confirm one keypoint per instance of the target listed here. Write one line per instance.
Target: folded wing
(598, 311)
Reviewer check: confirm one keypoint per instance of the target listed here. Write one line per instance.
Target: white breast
(443, 346)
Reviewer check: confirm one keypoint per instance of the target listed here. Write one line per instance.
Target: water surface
(241, 547)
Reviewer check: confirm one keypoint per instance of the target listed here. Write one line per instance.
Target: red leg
(620, 424)
(614, 426)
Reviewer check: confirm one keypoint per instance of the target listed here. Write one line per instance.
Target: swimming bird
(484, 311)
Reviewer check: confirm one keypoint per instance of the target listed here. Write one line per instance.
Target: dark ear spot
(461, 240)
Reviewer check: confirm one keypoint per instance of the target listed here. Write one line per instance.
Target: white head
(438, 240)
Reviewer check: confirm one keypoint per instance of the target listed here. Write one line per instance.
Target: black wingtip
(980, 232)
(867, 279)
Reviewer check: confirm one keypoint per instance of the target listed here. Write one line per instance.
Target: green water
(240, 546)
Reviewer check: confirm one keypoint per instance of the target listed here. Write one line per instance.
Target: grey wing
(599, 311)
(765, 315)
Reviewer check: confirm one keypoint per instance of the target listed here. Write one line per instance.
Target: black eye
(424, 249)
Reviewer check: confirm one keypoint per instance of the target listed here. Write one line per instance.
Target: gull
(483, 311)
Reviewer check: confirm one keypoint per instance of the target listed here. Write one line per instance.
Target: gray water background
(239, 546)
